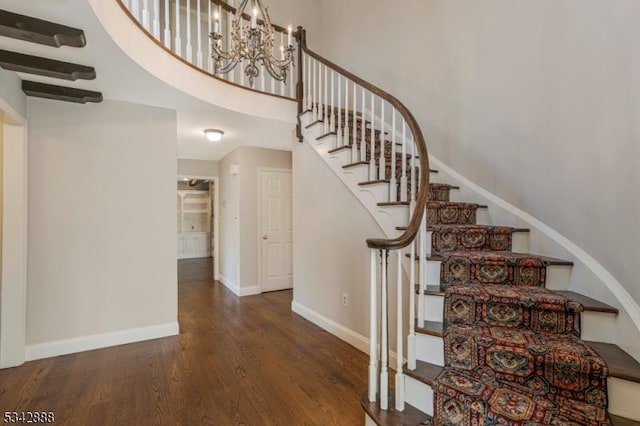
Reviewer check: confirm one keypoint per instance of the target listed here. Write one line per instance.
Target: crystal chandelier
(254, 43)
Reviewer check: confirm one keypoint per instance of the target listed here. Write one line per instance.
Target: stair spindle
(332, 117)
(403, 179)
(189, 46)
(345, 127)
(338, 128)
(382, 162)
(325, 115)
(315, 91)
(282, 83)
(422, 267)
(178, 41)
(412, 173)
(135, 9)
(156, 19)
(363, 142)
(373, 330)
(209, 30)
(146, 15)
(399, 331)
(199, 57)
(393, 188)
(372, 141)
(292, 85)
(167, 25)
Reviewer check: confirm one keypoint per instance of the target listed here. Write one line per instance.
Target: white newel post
(373, 330)
(399, 339)
(384, 333)
(411, 340)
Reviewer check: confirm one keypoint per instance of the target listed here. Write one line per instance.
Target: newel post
(301, 36)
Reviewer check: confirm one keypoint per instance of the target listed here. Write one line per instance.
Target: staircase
(497, 338)
(50, 34)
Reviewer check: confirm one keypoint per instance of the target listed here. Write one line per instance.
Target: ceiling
(119, 78)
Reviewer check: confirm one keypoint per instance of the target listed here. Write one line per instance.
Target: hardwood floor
(247, 361)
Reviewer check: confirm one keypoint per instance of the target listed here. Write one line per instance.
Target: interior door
(276, 226)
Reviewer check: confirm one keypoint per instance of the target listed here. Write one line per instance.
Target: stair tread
(505, 254)
(326, 135)
(621, 364)
(435, 227)
(431, 328)
(394, 203)
(430, 290)
(588, 303)
(310, 125)
(425, 372)
(358, 163)
(411, 416)
(373, 182)
(340, 148)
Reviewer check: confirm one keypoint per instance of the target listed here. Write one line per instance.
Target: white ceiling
(120, 78)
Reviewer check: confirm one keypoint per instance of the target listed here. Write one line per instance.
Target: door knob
(264, 237)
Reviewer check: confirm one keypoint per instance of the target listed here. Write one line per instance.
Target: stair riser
(430, 349)
(343, 156)
(451, 216)
(418, 394)
(379, 191)
(598, 326)
(360, 173)
(399, 214)
(623, 398)
(477, 240)
(520, 242)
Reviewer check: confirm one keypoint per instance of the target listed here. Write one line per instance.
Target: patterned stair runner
(448, 238)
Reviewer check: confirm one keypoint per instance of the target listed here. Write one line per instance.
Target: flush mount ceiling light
(214, 135)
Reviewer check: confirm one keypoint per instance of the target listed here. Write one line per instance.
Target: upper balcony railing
(183, 27)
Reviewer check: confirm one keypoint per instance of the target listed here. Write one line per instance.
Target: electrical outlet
(345, 300)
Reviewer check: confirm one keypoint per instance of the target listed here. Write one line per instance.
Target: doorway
(275, 263)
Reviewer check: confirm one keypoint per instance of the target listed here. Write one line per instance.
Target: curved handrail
(195, 67)
(421, 201)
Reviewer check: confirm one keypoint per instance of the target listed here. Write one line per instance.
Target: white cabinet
(194, 221)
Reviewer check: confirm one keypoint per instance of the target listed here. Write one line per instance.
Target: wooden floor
(247, 361)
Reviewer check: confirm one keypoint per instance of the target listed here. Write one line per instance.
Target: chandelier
(254, 43)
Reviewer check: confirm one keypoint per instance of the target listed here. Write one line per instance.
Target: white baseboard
(98, 341)
(356, 340)
(237, 290)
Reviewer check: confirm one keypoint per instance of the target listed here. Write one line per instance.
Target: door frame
(216, 223)
(13, 280)
(259, 235)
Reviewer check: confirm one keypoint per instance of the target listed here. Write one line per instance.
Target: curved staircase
(498, 336)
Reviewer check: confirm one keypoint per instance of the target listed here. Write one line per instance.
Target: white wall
(535, 101)
(229, 225)
(101, 267)
(202, 168)
(239, 215)
(12, 99)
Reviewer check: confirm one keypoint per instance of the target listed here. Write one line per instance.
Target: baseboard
(356, 340)
(98, 341)
(237, 290)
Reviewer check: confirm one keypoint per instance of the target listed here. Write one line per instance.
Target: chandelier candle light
(256, 44)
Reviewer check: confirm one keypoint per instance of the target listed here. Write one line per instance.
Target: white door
(276, 226)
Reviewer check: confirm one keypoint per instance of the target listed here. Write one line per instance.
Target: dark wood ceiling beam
(20, 62)
(60, 93)
(35, 30)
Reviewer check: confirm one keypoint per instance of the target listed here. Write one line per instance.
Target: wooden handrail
(421, 201)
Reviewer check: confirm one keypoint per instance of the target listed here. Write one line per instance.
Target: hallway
(247, 361)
